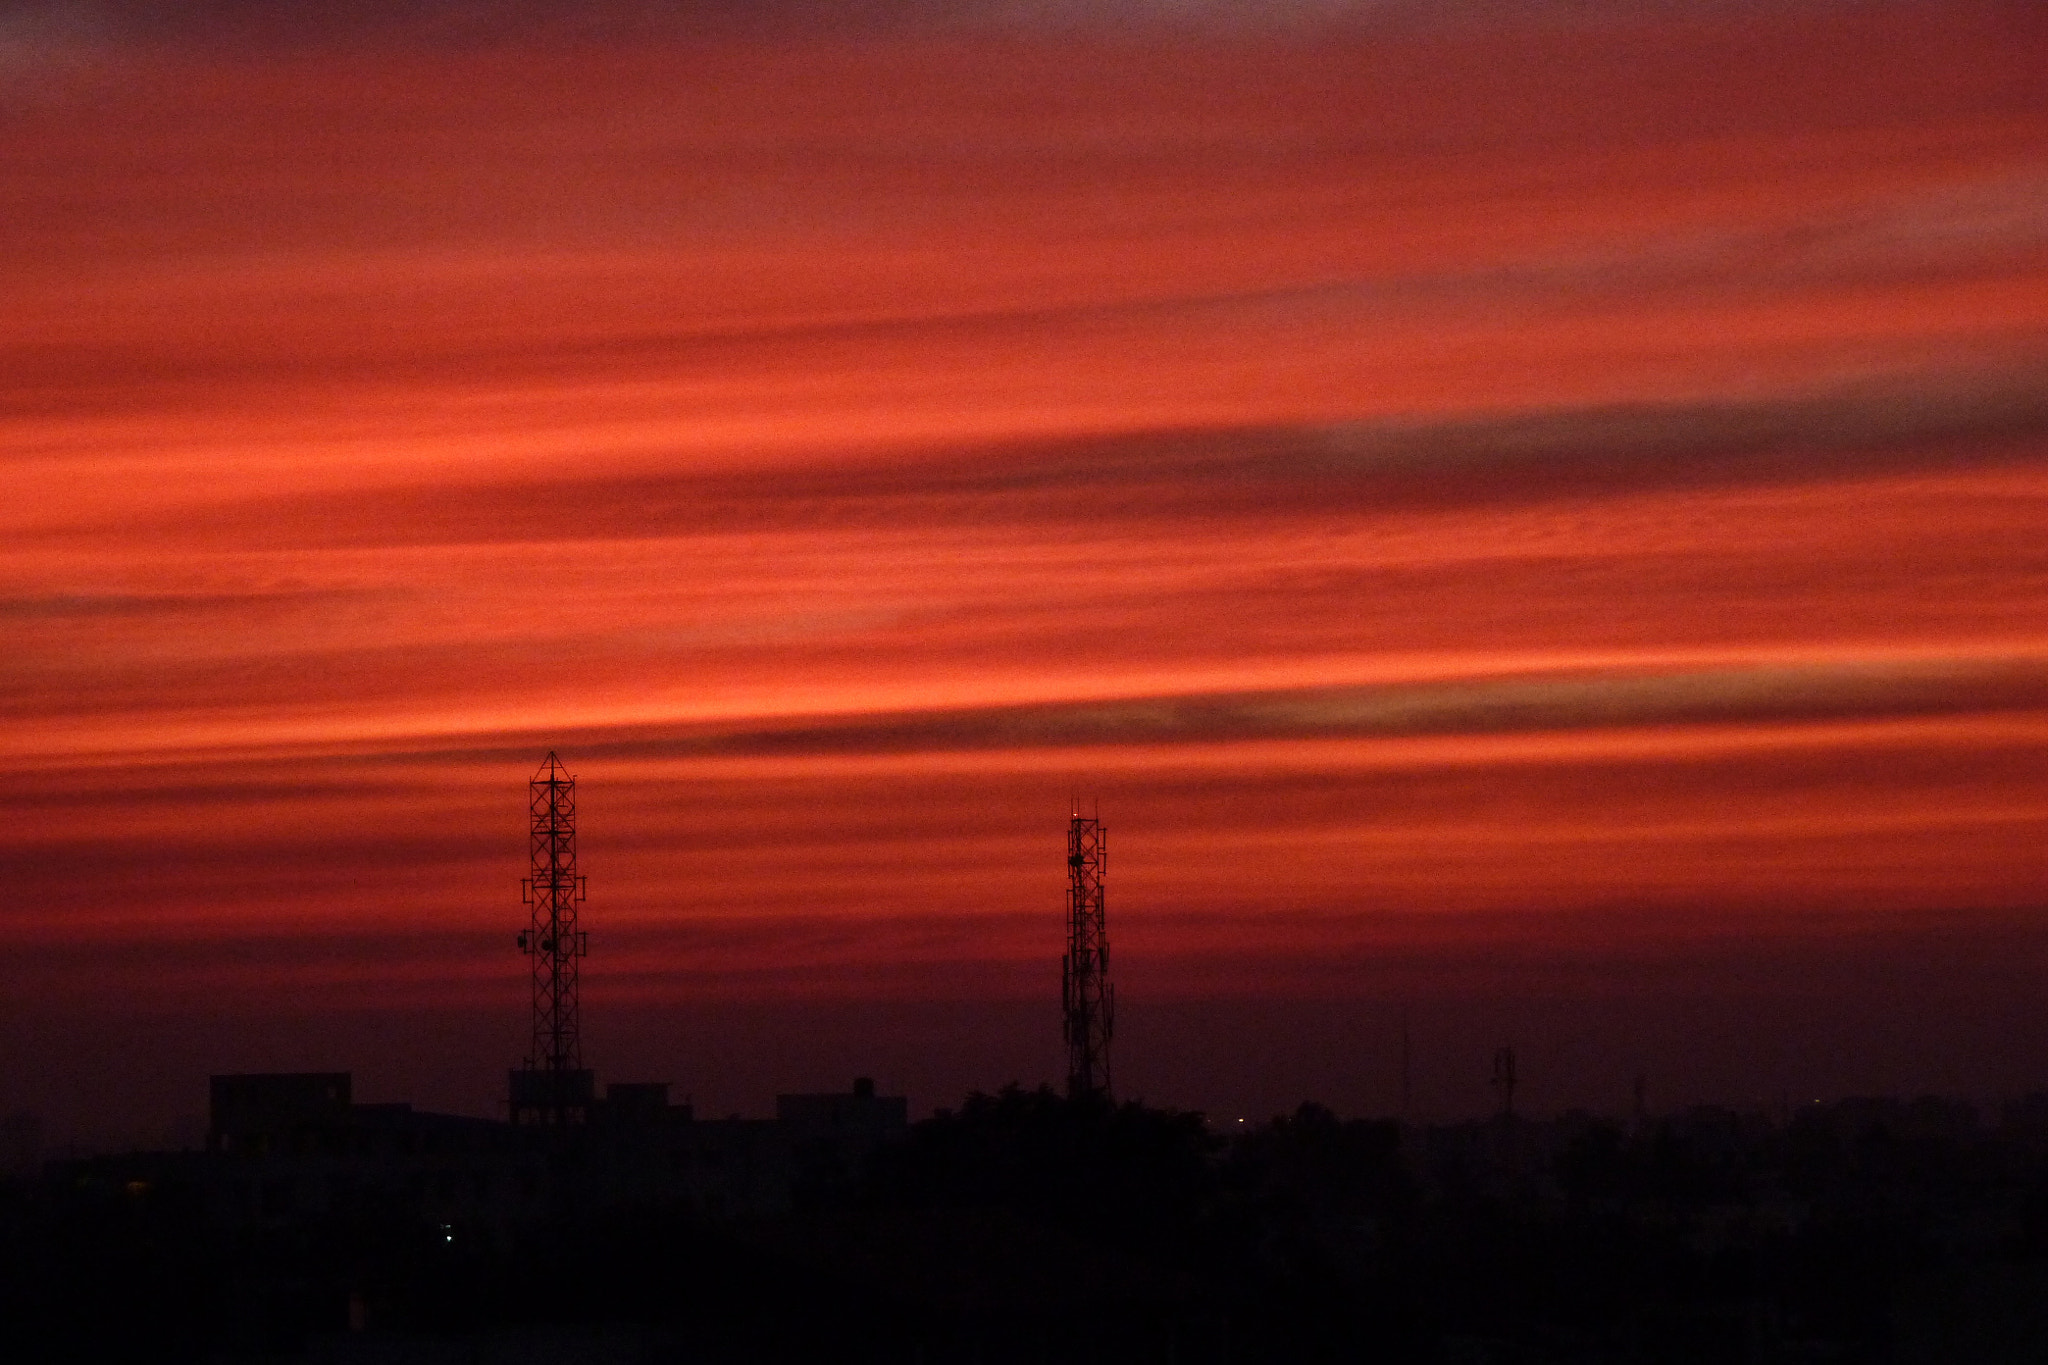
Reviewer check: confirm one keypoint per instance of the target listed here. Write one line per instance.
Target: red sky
(1526, 515)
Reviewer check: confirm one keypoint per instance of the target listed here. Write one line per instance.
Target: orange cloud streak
(1517, 481)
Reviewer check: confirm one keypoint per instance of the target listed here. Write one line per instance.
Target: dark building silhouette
(274, 1110)
(860, 1113)
(295, 1145)
(540, 1095)
(831, 1135)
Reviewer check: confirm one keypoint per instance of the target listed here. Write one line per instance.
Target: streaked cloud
(1482, 497)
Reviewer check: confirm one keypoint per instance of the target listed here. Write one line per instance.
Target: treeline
(1026, 1227)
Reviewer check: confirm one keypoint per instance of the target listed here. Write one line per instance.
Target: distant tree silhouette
(1136, 1176)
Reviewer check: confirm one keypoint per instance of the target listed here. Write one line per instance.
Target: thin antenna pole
(1504, 1081)
(1407, 1071)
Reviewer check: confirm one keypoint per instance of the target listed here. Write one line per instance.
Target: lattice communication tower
(553, 1087)
(1085, 990)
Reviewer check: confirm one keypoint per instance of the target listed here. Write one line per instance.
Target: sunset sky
(1526, 516)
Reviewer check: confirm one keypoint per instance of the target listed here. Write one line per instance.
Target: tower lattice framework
(552, 1089)
(1088, 998)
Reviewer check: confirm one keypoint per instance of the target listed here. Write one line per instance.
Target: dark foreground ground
(1026, 1228)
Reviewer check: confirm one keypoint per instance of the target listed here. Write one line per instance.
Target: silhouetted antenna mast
(1504, 1080)
(1085, 991)
(1407, 1072)
(553, 1087)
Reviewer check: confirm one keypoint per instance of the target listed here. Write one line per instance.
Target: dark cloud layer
(1758, 695)
(471, 21)
(1362, 467)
